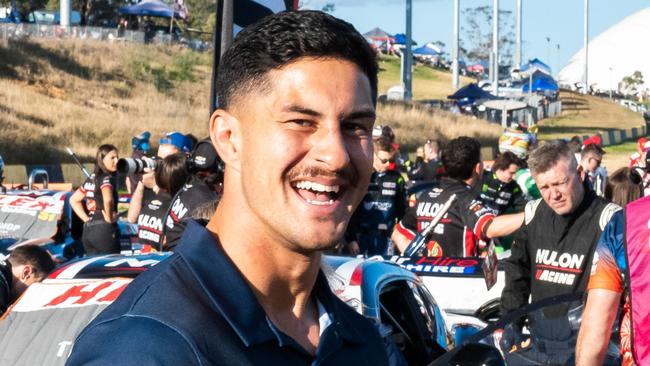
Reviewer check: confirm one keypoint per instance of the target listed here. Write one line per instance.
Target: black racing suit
(499, 196)
(373, 221)
(99, 236)
(551, 255)
(461, 228)
(194, 194)
(152, 214)
(6, 286)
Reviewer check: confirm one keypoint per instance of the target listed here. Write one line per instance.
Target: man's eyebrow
(364, 113)
(302, 110)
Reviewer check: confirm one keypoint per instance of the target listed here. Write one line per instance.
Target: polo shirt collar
(231, 296)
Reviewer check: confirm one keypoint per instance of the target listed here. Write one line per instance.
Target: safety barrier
(57, 173)
(616, 136)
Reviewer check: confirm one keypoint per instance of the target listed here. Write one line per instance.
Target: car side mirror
(477, 354)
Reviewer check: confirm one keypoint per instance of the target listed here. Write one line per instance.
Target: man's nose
(329, 147)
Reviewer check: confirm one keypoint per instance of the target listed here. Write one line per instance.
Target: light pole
(408, 55)
(586, 43)
(610, 82)
(548, 49)
(495, 46)
(518, 37)
(454, 48)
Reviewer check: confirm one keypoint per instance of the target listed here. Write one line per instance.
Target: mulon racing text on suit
(151, 218)
(382, 206)
(551, 253)
(195, 308)
(461, 228)
(194, 194)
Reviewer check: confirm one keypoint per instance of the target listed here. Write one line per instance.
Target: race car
(46, 320)
(42, 215)
(473, 295)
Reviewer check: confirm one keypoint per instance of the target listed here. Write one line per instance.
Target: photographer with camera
(203, 186)
(156, 194)
(100, 233)
(145, 190)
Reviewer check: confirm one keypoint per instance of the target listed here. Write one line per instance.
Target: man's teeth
(317, 187)
(320, 203)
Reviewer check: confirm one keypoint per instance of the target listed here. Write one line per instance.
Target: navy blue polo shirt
(196, 309)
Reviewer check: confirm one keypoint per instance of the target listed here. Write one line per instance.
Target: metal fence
(23, 30)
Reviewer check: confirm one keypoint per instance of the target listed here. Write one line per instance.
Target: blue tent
(469, 94)
(541, 82)
(400, 38)
(152, 8)
(535, 65)
(425, 51)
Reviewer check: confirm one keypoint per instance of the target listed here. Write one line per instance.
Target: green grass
(626, 147)
(428, 83)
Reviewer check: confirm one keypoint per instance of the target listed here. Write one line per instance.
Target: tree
(476, 34)
(630, 84)
(307, 4)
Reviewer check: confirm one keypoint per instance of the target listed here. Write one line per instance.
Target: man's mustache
(348, 174)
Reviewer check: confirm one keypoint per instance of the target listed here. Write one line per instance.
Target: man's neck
(281, 279)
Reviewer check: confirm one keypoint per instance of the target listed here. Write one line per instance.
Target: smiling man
(552, 251)
(296, 109)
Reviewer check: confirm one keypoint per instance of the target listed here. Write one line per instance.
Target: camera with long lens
(130, 166)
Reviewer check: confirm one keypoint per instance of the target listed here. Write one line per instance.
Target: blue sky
(560, 20)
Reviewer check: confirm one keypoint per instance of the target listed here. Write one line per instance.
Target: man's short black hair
(35, 256)
(280, 39)
(460, 156)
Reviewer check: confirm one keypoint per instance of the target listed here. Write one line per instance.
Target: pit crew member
(468, 221)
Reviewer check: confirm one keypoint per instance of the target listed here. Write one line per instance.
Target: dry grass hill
(81, 93)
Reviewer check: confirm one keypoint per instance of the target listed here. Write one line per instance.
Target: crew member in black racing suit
(170, 176)
(100, 231)
(467, 221)
(384, 203)
(551, 255)
(203, 186)
(498, 188)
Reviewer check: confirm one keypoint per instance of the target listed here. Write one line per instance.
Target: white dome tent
(614, 54)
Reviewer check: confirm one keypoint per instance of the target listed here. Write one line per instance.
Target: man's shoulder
(130, 339)
(606, 211)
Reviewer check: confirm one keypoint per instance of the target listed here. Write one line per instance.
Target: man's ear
(26, 273)
(226, 137)
(478, 168)
(581, 172)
